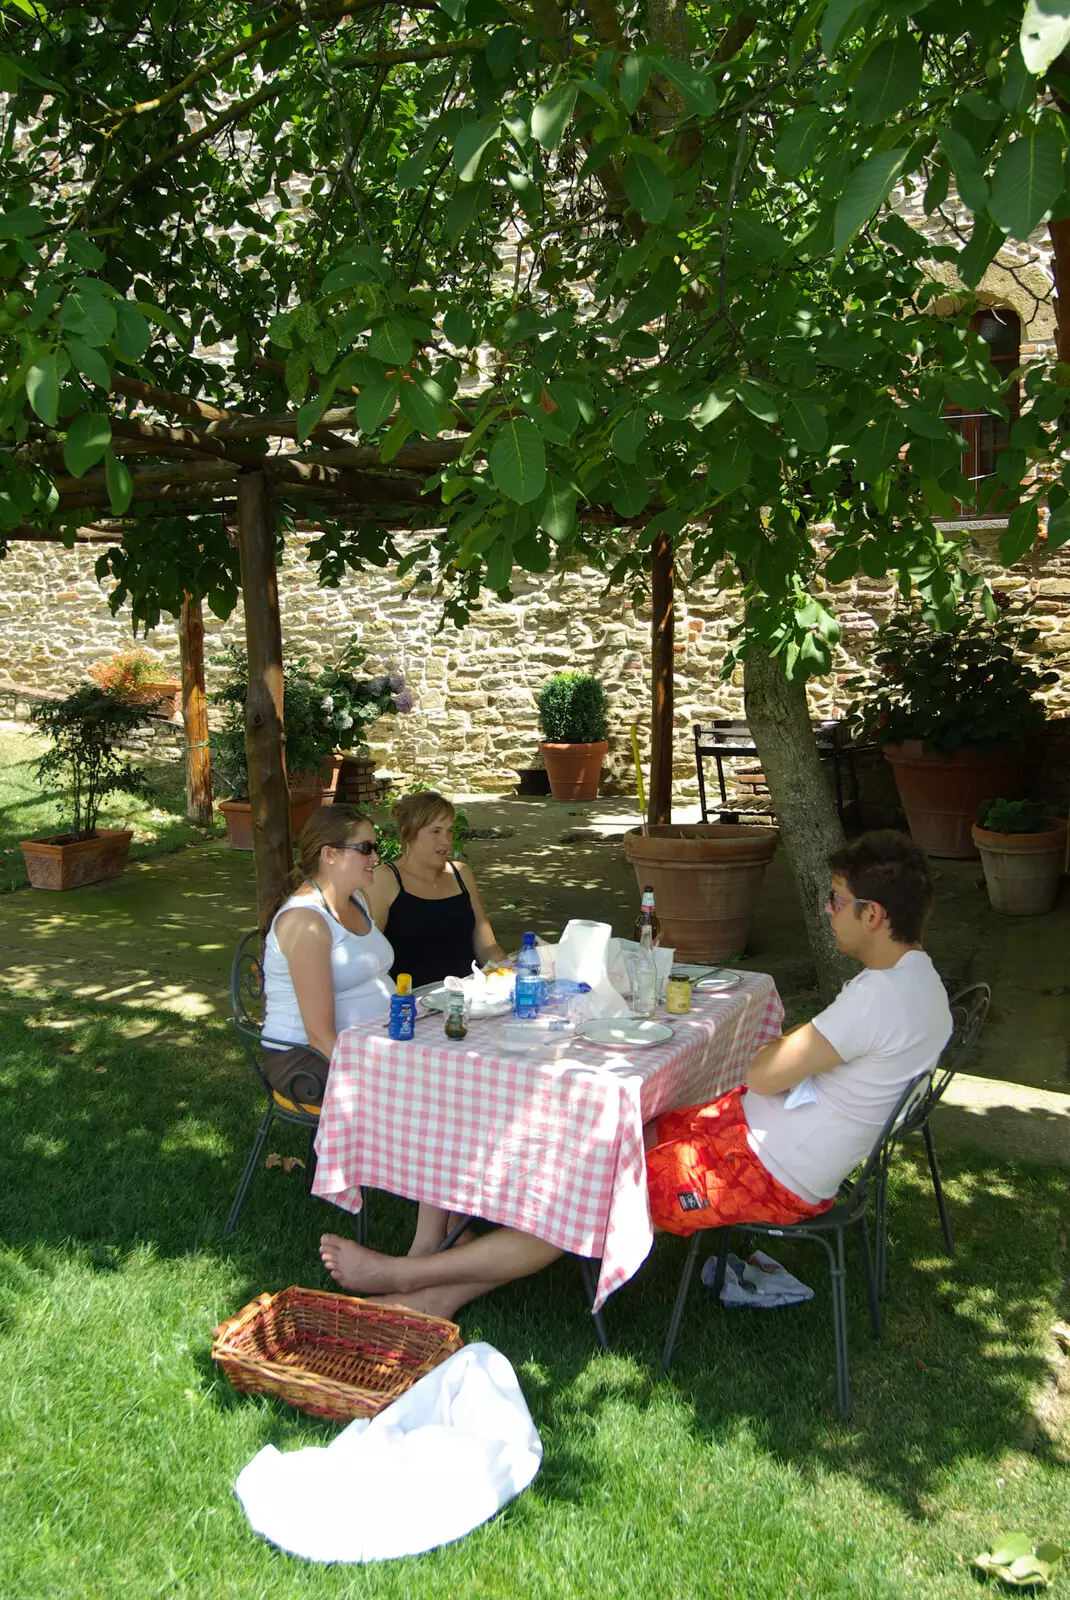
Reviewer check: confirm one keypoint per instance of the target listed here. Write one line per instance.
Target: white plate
(719, 981)
(623, 1032)
(437, 999)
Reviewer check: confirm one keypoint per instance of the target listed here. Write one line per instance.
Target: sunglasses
(837, 902)
(366, 847)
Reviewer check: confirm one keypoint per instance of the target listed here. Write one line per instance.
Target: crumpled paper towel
(583, 954)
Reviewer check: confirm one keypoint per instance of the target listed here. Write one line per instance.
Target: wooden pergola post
(659, 807)
(195, 715)
(269, 795)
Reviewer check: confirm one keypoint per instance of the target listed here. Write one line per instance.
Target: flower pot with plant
(573, 716)
(350, 703)
(140, 677)
(86, 730)
(1023, 852)
(307, 743)
(951, 702)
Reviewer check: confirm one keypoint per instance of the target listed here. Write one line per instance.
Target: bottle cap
(529, 939)
(648, 896)
(404, 983)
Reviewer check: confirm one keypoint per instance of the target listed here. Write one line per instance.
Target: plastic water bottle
(528, 980)
(645, 983)
(402, 1009)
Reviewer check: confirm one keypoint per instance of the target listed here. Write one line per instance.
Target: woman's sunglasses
(366, 847)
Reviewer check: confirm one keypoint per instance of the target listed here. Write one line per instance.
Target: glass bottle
(647, 914)
(645, 982)
(456, 1021)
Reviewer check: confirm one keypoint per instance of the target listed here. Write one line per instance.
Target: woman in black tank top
(428, 906)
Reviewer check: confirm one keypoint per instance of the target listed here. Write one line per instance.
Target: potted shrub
(86, 730)
(1023, 852)
(572, 715)
(140, 677)
(952, 707)
(308, 740)
(349, 703)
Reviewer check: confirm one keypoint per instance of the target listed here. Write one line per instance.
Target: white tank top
(360, 968)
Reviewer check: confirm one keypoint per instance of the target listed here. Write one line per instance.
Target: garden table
(552, 1147)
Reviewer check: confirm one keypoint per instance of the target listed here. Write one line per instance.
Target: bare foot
(356, 1268)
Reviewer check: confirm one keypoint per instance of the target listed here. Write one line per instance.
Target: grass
(124, 1135)
(28, 812)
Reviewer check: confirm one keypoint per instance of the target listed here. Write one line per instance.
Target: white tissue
(582, 955)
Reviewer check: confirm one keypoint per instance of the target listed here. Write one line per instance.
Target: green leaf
(758, 402)
(805, 423)
(974, 260)
(1058, 535)
(798, 143)
(471, 141)
(499, 564)
(648, 188)
(347, 276)
(1021, 535)
(298, 373)
(1009, 1547)
(42, 389)
(421, 409)
(501, 50)
(469, 201)
(890, 78)
(305, 321)
(518, 460)
(628, 435)
(312, 410)
(84, 251)
(842, 565)
(969, 174)
(555, 512)
(89, 362)
(390, 343)
(699, 90)
(730, 470)
(552, 113)
(867, 188)
(842, 18)
(25, 69)
(926, 424)
(533, 553)
(711, 408)
(22, 223)
(459, 329)
(323, 351)
(132, 336)
(879, 445)
(629, 491)
(87, 439)
(1045, 33)
(396, 435)
(120, 483)
(375, 402)
(757, 237)
(1027, 181)
(634, 77)
(88, 313)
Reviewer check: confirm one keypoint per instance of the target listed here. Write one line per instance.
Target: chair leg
(361, 1220)
(590, 1288)
(871, 1281)
(250, 1167)
(938, 1188)
(310, 1160)
(454, 1234)
(681, 1299)
(838, 1271)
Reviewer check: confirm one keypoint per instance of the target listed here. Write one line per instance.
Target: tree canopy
(538, 282)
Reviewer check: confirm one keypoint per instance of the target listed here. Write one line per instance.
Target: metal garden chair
(827, 1230)
(969, 1008)
(246, 1000)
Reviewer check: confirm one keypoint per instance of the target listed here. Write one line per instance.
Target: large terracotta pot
(940, 794)
(54, 865)
(706, 878)
(238, 815)
(1023, 870)
(574, 770)
(163, 698)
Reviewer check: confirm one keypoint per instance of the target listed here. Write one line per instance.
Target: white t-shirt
(360, 970)
(888, 1025)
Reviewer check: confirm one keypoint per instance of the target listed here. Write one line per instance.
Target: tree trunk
(659, 808)
(1060, 244)
(806, 815)
(269, 795)
(195, 715)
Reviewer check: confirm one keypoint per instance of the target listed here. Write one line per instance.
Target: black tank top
(432, 939)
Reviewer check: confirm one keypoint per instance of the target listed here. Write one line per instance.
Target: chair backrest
(913, 1096)
(969, 1009)
(247, 996)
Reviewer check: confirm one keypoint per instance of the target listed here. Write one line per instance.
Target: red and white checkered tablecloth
(551, 1147)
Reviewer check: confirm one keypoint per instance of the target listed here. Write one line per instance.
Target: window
(986, 435)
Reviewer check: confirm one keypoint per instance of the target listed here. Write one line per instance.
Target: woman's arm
(382, 894)
(485, 944)
(305, 940)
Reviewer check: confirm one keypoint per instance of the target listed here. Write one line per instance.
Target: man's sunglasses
(366, 847)
(837, 902)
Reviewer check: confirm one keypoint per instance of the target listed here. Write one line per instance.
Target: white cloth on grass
(759, 1281)
(445, 1456)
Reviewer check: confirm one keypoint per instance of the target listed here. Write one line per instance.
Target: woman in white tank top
(326, 964)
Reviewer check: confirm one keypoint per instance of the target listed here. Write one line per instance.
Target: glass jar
(456, 1019)
(678, 995)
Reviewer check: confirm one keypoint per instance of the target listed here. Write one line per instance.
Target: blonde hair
(416, 811)
(328, 825)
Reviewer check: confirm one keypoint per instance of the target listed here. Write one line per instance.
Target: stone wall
(475, 720)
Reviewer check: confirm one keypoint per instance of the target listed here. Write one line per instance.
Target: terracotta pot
(52, 865)
(706, 878)
(163, 697)
(574, 770)
(239, 817)
(330, 767)
(1022, 870)
(940, 794)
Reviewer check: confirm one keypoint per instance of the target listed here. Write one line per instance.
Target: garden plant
(87, 730)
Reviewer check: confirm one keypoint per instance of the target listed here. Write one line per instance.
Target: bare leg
(432, 1226)
(449, 1280)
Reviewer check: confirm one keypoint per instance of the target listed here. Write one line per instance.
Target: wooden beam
(264, 738)
(659, 807)
(195, 715)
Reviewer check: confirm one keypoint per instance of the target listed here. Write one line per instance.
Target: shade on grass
(122, 1141)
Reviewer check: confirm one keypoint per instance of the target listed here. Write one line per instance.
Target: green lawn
(28, 812)
(123, 1140)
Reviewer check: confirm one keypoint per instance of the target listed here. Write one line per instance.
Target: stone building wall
(475, 721)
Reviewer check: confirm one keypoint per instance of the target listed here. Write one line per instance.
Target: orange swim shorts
(702, 1173)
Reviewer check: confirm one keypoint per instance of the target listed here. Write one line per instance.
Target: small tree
(86, 730)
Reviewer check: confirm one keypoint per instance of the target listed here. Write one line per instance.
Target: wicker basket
(330, 1354)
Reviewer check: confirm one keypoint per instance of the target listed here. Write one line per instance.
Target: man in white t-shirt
(816, 1099)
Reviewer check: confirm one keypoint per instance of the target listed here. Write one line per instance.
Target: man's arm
(784, 1062)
